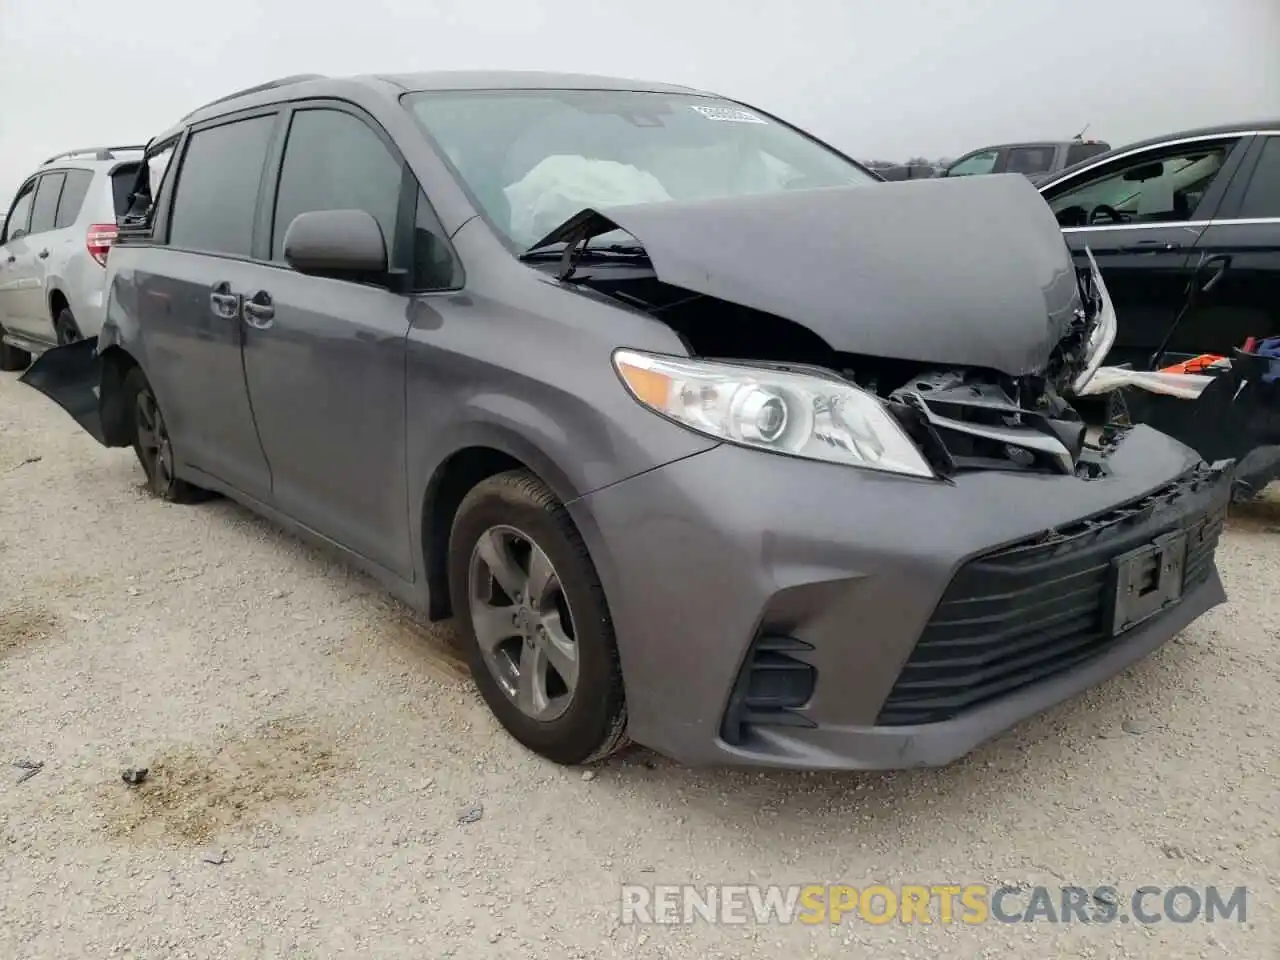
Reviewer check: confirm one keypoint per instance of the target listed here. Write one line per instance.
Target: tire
(582, 718)
(157, 458)
(65, 327)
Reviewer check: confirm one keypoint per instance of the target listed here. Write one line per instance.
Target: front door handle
(224, 303)
(43, 254)
(259, 310)
(1151, 246)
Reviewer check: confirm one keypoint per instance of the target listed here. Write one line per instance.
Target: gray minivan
(705, 436)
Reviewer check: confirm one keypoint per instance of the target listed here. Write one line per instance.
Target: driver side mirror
(18, 234)
(346, 244)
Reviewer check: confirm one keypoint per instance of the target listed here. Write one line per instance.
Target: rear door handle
(43, 254)
(259, 310)
(223, 302)
(1151, 246)
(10, 259)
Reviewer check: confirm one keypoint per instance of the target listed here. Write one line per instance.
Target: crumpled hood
(969, 271)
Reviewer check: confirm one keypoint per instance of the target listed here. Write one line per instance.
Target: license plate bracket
(1147, 580)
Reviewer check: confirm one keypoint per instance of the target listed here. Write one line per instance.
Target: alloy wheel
(523, 623)
(153, 441)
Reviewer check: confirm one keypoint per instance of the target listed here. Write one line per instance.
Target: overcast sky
(877, 79)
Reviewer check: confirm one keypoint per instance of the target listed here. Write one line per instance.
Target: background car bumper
(732, 564)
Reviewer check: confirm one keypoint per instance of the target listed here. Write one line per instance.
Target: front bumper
(732, 558)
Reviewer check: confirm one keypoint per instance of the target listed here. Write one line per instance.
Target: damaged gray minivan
(707, 437)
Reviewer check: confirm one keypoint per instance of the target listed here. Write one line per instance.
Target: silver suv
(53, 249)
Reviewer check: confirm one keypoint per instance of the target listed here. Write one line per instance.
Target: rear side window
(1263, 197)
(334, 161)
(45, 210)
(1083, 151)
(1029, 160)
(73, 193)
(217, 193)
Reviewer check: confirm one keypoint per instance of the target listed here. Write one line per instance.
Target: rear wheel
(153, 445)
(11, 358)
(534, 621)
(65, 327)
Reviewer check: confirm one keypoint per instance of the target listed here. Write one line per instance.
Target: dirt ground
(310, 747)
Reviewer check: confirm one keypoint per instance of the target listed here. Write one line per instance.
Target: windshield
(532, 159)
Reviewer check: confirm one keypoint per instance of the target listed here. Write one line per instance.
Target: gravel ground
(306, 730)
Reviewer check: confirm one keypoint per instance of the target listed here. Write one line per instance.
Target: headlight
(1103, 334)
(799, 414)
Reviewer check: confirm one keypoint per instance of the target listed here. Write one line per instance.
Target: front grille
(1035, 609)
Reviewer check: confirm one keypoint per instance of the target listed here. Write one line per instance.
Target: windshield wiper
(614, 251)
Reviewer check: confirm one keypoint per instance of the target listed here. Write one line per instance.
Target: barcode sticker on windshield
(728, 114)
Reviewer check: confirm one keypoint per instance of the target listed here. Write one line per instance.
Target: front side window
(217, 193)
(20, 212)
(1030, 160)
(334, 161)
(532, 159)
(979, 163)
(45, 209)
(1263, 198)
(72, 199)
(1154, 187)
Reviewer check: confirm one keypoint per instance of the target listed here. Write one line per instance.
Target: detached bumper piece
(1036, 609)
(772, 684)
(69, 376)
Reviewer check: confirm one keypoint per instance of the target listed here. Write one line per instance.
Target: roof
(1222, 129)
(311, 84)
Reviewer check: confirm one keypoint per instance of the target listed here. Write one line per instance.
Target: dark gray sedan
(706, 436)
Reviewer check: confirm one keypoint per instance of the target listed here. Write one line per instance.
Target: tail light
(98, 241)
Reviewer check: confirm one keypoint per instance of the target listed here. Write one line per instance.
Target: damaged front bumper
(777, 612)
(70, 376)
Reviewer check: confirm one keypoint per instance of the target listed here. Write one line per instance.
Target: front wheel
(153, 445)
(534, 621)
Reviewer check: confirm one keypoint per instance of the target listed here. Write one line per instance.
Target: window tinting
(73, 192)
(334, 161)
(122, 180)
(45, 210)
(1083, 151)
(1263, 198)
(217, 194)
(20, 212)
(1030, 160)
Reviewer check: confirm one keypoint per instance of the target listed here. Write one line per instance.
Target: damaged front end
(978, 373)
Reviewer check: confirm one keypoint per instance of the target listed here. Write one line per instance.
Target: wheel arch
(474, 455)
(114, 364)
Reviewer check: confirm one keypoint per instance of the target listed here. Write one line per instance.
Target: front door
(189, 302)
(1238, 262)
(1141, 215)
(325, 358)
